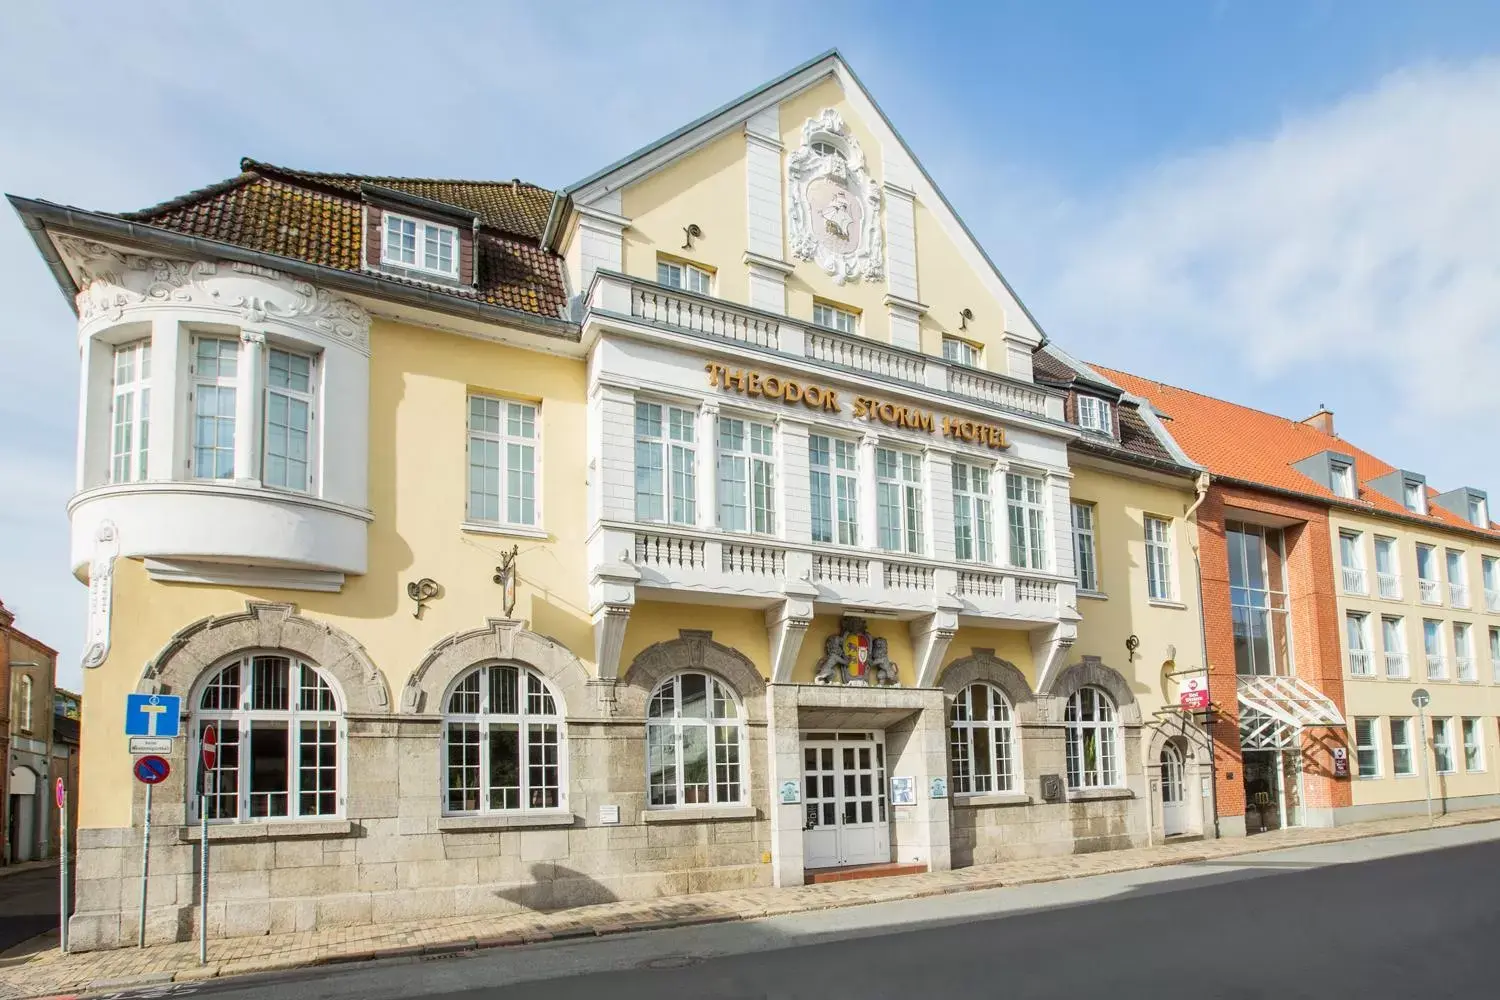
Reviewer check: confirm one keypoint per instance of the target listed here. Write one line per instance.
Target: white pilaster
(708, 465)
(601, 245)
(1018, 359)
(169, 452)
(1060, 512)
(938, 468)
(96, 375)
(616, 453)
(901, 241)
(247, 430)
(869, 529)
(796, 495)
(763, 185)
(906, 321)
(784, 752)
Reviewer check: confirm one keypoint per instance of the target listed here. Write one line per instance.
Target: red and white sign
(62, 793)
(210, 747)
(1194, 696)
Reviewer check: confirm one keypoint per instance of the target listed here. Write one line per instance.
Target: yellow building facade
(721, 520)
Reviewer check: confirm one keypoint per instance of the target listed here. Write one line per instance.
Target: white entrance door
(843, 792)
(1173, 793)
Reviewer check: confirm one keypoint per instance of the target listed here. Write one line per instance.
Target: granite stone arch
(1090, 672)
(500, 640)
(693, 649)
(1191, 740)
(984, 665)
(266, 625)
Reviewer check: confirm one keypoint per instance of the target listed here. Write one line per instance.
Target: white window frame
(1489, 572)
(1341, 479)
(308, 398)
(1396, 665)
(422, 231)
(130, 413)
(716, 692)
(1428, 587)
(833, 488)
(684, 276)
(1026, 519)
(1479, 512)
(243, 715)
(1472, 726)
(533, 696)
(1085, 545)
(1458, 584)
(1372, 747)
(1094, 414)
(669, 434)
(959, 351)
(1402, 745)
(504, 440)
(236, 383)
(1160, 579)
(901, 515)
(1495, 654)
(1442, 743)
(1357, 639)
(1000, 751)
(1437, 661)
(1106, 771)
(1352, 561)
(1414, 497)
(1464, 667)
(751, 462)
(973, 512)
(1388, 581)
(836, 318)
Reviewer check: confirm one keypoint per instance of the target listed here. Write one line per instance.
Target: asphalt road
(1410, 916)
(28, 905)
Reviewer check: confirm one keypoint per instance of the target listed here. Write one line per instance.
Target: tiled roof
(1136, 436)
(1260, 448)
(318, 218)
(1050, 368)
(1137, 439)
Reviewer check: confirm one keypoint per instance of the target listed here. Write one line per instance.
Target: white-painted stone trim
(237, 575)
(901, 242)
(906, 328)
(763, 193)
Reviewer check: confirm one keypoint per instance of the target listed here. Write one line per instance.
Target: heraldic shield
(852, 656)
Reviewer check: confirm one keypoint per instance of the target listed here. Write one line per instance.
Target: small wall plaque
(903, 791)
(791, 793)
(609, 815)
(940, 788)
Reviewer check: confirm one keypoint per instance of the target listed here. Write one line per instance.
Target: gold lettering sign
(752, 383)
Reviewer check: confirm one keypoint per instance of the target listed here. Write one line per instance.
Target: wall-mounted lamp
(690, 232)
(422, 591)
(1131, 645)
(505, 576)
(964, 317)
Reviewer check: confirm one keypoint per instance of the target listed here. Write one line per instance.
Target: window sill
(981, 799)
(1174, 605)
(1098, 794)
(262, 830)
(1094, 595)
(502, 821)
(511, 530)
(698, 814)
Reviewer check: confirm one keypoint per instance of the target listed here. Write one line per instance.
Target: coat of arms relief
(852, 656)
(834, 210)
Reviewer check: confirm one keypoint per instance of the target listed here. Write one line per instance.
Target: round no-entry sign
(210, 747)
(152, 770)
(62, 793)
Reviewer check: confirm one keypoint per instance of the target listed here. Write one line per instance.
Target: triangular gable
(599, 191)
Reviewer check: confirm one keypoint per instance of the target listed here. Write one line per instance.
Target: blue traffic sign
(152, 770)
(153, 715)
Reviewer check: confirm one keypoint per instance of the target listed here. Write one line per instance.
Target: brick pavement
(50, 973)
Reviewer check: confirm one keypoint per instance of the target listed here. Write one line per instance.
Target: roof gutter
(38, 215)
(1340, 503)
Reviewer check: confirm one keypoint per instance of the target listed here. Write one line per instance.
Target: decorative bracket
(612, 592)
(101, 593)
(930, 636)
(422, 591)
(1049, 647)
(505, 576)
(786, 624)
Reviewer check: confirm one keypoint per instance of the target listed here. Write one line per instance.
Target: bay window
(973, 518)
(289, 413)
(502, 461)
(833, 465)
(130, 412)
(215, 388)
(747, 476)
(1028, 521)
(666, 464)
(898, 500)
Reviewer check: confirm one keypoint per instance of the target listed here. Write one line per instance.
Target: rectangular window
(1084, 550)
(1352, 560)
(1158, 558)
(747, 476)
(1458, 579)
(1463, 653)
(1387, 569)
(215, 382)
(688, 277)
(1473, 733)
(1258, 599)
(833, 318)
(131, 412)
(502, 461)
(1432, 646)
(1415, 496)
(1479, 512)
(1356, 635)
(1094, 415)
(666, 464)
(1495, 655)
(1427, 578)
(424, 246)
(898, 500)
(290, 384)
(960, 352)
(1401, 760)
(1393, 638)
(1028, 520)
(1442, 745)
(1489, 571)
(973, 516)
(833, 466)
(1342, 477)
(1367, 747)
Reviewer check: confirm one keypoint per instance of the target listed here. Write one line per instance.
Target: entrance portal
(1174, 818)
(1273, 790)
(843, 777)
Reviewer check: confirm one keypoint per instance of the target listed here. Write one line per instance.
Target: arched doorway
(24, 806)
(1174, 816)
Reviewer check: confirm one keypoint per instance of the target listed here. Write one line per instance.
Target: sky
(1284, 204)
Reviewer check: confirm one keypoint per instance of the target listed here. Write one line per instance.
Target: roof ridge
(249, 163)
(198, 194)
(1214, 399)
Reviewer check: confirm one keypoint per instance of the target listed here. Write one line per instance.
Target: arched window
(824, 147)
(279, 723)
(1093, 740)
(981, 741)
(695, 742)
(503, 729)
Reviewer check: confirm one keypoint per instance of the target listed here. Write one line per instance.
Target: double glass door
(844, 802)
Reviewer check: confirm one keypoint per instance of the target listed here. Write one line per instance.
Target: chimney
(1322, 420)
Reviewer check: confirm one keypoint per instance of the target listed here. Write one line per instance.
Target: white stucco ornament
(834, 207)
(101, 593)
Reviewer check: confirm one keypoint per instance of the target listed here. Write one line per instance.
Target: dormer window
(677, 274)
(1341, 479)
(1413, 496)
(961, 352)
(1479, 514)
(1094, 415)
(420, 246)
(833, 318)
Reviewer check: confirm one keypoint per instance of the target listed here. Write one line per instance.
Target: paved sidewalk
(21, 867)
(51, 973)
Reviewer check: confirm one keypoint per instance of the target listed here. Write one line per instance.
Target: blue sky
(1283, 204)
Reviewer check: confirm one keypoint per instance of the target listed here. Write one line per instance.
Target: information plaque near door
(1340, 762)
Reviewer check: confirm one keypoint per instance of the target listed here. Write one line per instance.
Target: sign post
(209, 746)
(62, 865)
(149, 771)
(1420, 698)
